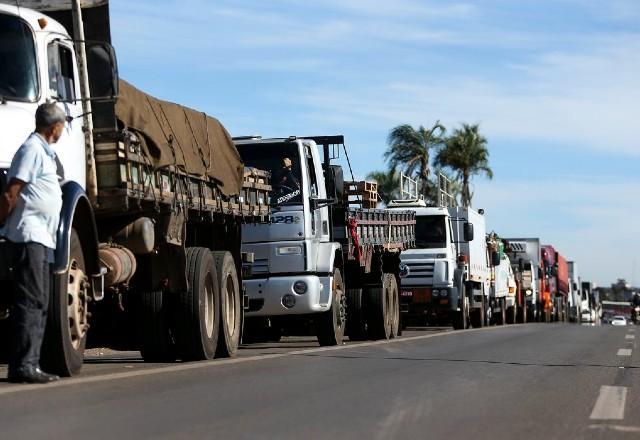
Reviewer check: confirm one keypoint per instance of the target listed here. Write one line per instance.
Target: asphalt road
(527, 381)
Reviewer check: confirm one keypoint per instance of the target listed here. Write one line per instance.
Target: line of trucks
(179, 241)
(460, 274)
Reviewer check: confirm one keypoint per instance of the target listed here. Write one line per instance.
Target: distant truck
(321, 265)
(524, 254)
(503, 299)
(556, 284)
(154, 196)
(591, 304)
(447, 275)
(575, 293)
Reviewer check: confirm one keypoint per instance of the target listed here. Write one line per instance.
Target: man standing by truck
(30, 211)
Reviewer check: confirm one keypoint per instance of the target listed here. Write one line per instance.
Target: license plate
(444, 301)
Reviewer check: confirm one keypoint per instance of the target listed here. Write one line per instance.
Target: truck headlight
(403, 270)
(289, 250)
(288, 300)
(300, 287)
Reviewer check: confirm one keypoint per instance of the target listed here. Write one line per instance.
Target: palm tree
(409, 150)
(466, 153)
(388, 184)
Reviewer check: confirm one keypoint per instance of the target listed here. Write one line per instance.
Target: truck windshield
(18, 69)
(431, 232)
(283, 161)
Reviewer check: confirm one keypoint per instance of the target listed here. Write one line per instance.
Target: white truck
(524, 254)
(503, 300)
(321, 267)
(154, 196)
(575, 293)
(447, 274)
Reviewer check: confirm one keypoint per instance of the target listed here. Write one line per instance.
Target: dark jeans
(31, 280)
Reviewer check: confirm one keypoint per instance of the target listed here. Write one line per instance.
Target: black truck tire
(66, 332)
(522, 314)
(394, 299)
(156, 340)
(198, 310)
(512, 314)
(230, 305)
(331, 324)
(4, 340)
(460, 319)
(478, 315)
(356, 327)
(501, 318)
(379, 314)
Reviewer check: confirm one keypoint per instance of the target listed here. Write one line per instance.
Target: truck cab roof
(31, 17)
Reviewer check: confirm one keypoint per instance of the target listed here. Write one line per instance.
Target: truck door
(63, 87)
(320, 217)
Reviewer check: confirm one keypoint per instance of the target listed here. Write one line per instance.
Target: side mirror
(520, 264)
(495, 259)
(335, 183)
(317, 203)
(540, 273)
(104, 82)
(468, 231)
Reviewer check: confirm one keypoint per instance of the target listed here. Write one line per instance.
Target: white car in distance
(618, 320)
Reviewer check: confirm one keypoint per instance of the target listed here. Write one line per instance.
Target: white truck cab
(39, 65)
(447, 275)
(294, 256)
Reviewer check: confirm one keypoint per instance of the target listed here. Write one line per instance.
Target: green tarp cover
(180, 136)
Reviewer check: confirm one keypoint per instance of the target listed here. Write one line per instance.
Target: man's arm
(9, 198)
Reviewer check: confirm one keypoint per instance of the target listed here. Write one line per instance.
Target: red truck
(554, 285)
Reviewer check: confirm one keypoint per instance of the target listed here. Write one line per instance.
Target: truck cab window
(313, 184)
(18, 66)
(283, 162)
(431, 232)
(61, 78)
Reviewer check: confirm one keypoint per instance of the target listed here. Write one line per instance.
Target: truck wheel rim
(341, 309)
(76, 304)
(230, 305)
(209, 306)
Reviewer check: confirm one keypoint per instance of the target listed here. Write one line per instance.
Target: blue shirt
(37, 213)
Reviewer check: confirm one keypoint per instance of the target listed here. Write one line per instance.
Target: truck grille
(260, 266)
(420, 270)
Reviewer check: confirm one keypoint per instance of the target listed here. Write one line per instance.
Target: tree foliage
(465, 153)
(409, 150)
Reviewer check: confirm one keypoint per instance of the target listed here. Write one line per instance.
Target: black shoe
(31, 375)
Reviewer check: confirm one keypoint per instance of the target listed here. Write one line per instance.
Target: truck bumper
(268, 296)
(429, 298)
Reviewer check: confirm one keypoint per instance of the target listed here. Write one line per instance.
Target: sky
(554, 85)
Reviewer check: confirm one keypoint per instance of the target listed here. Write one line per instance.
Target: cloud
(587, 220)
(585, 100)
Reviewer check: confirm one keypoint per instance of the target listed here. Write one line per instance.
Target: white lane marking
(629, 336)
(619, 428)
(610, 403)
(220, 363)
(624, 352)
